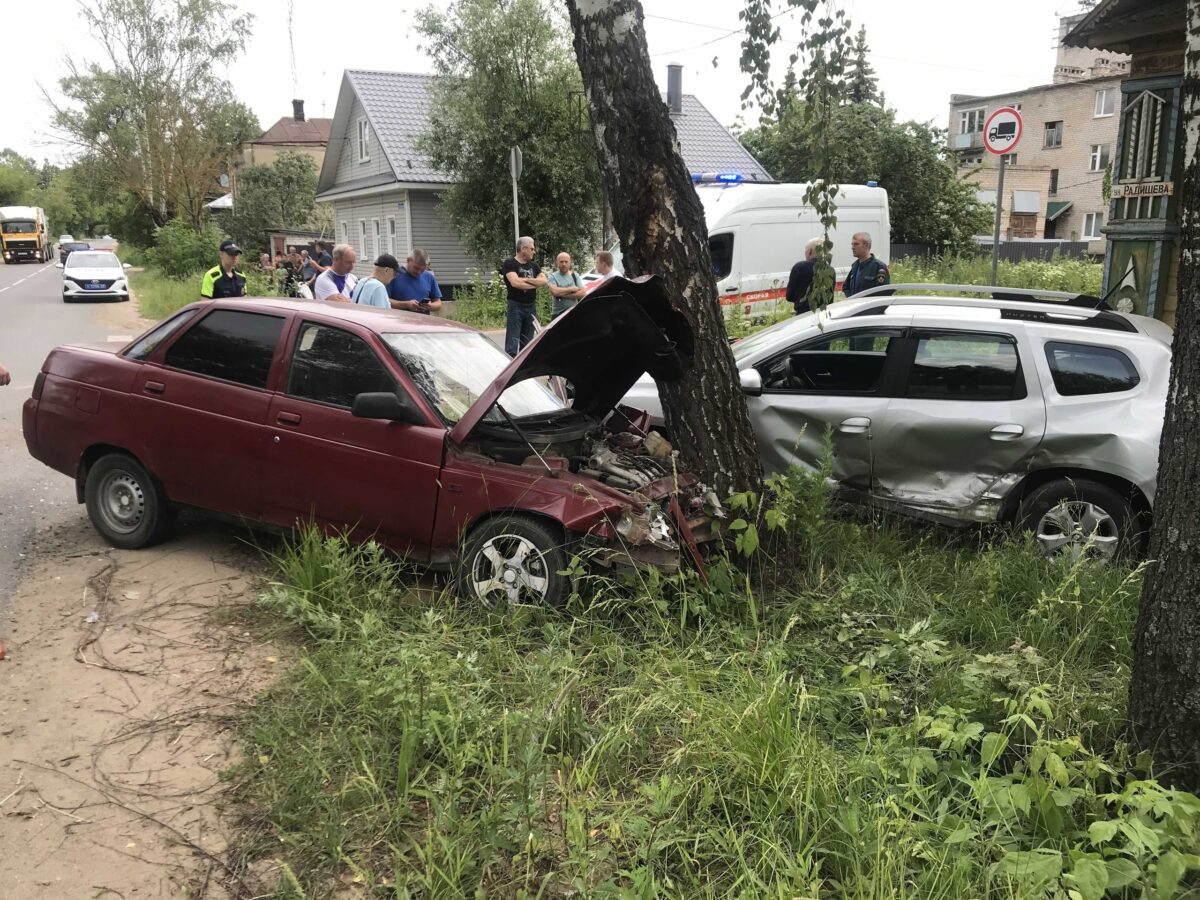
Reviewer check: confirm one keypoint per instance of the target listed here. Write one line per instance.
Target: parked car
(94, 275)
(413, 430)
(65, 239)
(66, 248)
(1031, 407)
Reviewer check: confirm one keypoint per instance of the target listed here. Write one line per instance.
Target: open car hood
(622, 329)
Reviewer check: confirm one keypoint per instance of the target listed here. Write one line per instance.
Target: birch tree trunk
(1164, 693)
(660, 223)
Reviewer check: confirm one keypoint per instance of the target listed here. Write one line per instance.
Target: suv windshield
(453, 368)
(82, 259)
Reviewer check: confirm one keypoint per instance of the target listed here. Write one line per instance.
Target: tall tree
(660, 223)
(279, 195)
(18, 178)
(154, 112)
(863, 85)
(1164, 693)
(507, 78)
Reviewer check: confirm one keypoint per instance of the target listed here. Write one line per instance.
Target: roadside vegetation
(848, 707)
(1059, 274)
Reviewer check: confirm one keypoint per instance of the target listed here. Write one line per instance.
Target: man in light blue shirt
(373, 290)
(565, 285)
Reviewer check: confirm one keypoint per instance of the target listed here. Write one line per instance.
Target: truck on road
(23, 236)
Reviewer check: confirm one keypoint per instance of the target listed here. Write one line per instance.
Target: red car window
(333, 366)
(229, 344)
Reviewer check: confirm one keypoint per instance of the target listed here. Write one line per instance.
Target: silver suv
(1038, 408)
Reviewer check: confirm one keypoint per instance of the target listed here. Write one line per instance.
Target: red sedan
(412, 430)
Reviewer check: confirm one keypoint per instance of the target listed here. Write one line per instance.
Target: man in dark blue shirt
(867, 271)
(415, 288)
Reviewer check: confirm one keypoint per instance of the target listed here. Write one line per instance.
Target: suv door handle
(732, 289)
(855, 425)
(288, 418)
(154, 387)
(1007, 432)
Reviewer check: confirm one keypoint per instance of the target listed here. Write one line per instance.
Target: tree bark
(1164, 692)
(660, 223)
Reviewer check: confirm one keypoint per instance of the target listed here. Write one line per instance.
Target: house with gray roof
(385, 194)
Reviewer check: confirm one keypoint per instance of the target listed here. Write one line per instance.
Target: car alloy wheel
(1077, 518)
(1076, 528)
(511, 560)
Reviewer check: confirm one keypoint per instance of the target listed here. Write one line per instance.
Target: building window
(1054, 134)
(1054, 181)
(345, 233)
(971, 159)
(1106, 101)
(378, 245)
(1099, 158)
(1012, 159)
(970, 121)
(362, 237)
(1092, 223)
(392, 235)
(364, 146)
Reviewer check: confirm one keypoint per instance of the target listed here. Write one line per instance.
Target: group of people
(329, 275)
(867, 271)
(522, 277)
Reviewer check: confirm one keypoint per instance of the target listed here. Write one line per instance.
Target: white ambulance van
(757, 232)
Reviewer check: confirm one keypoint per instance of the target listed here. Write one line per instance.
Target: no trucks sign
(1002, 131)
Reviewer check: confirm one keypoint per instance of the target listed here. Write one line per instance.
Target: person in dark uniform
(801, 278)
(224, 280)
(867, 271)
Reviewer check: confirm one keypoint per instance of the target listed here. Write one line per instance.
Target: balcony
(970, 141)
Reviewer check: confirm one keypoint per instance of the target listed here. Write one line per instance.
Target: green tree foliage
(863, 85)
(181, 251)
(18, 178)
(279, 195)
(155, 111)
(929, 205)
(508, 76)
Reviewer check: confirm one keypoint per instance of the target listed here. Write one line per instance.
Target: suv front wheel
(1077, 517)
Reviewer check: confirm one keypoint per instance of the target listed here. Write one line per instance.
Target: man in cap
(373, 290)
(224, 280)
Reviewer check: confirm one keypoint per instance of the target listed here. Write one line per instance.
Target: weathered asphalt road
(33, 320)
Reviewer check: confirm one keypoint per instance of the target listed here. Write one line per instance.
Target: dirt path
(123, 675)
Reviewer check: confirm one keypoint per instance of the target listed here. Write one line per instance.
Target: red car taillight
(37, 385)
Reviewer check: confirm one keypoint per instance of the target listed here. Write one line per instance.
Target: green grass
(1078, 275)
(850, 708)
(158, 296)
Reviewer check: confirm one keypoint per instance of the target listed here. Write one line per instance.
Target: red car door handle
(287, 418)
(154, 387)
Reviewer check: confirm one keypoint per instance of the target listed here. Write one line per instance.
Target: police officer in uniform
(867, 271)
(224, 280)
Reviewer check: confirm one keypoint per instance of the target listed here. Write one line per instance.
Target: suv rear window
(966, 366)
(1080, 369)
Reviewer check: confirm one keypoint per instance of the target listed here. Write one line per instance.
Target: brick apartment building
(1054, 181)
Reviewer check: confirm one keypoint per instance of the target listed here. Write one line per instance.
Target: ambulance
(757, 232)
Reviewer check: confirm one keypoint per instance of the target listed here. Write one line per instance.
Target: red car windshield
(452, 369)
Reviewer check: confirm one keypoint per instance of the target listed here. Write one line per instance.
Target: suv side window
(840, 363)
(229, 344)
(333, 366)
(1080, 369)
(965, 365)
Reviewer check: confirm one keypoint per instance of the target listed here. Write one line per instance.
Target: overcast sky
(923, 51)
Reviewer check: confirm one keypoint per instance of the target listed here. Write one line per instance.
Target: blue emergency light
(717, 177)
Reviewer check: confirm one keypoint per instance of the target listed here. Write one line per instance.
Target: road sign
(514, 163)
(1002, 131)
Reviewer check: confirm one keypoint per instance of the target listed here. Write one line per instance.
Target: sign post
(514, 167)
(1001, 133)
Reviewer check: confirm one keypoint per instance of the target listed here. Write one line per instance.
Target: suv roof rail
(993, 292)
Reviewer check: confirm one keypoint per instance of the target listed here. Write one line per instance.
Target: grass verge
(158, 295)
(851, 708)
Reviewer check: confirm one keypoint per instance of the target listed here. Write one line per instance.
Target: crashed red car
(411, 430)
